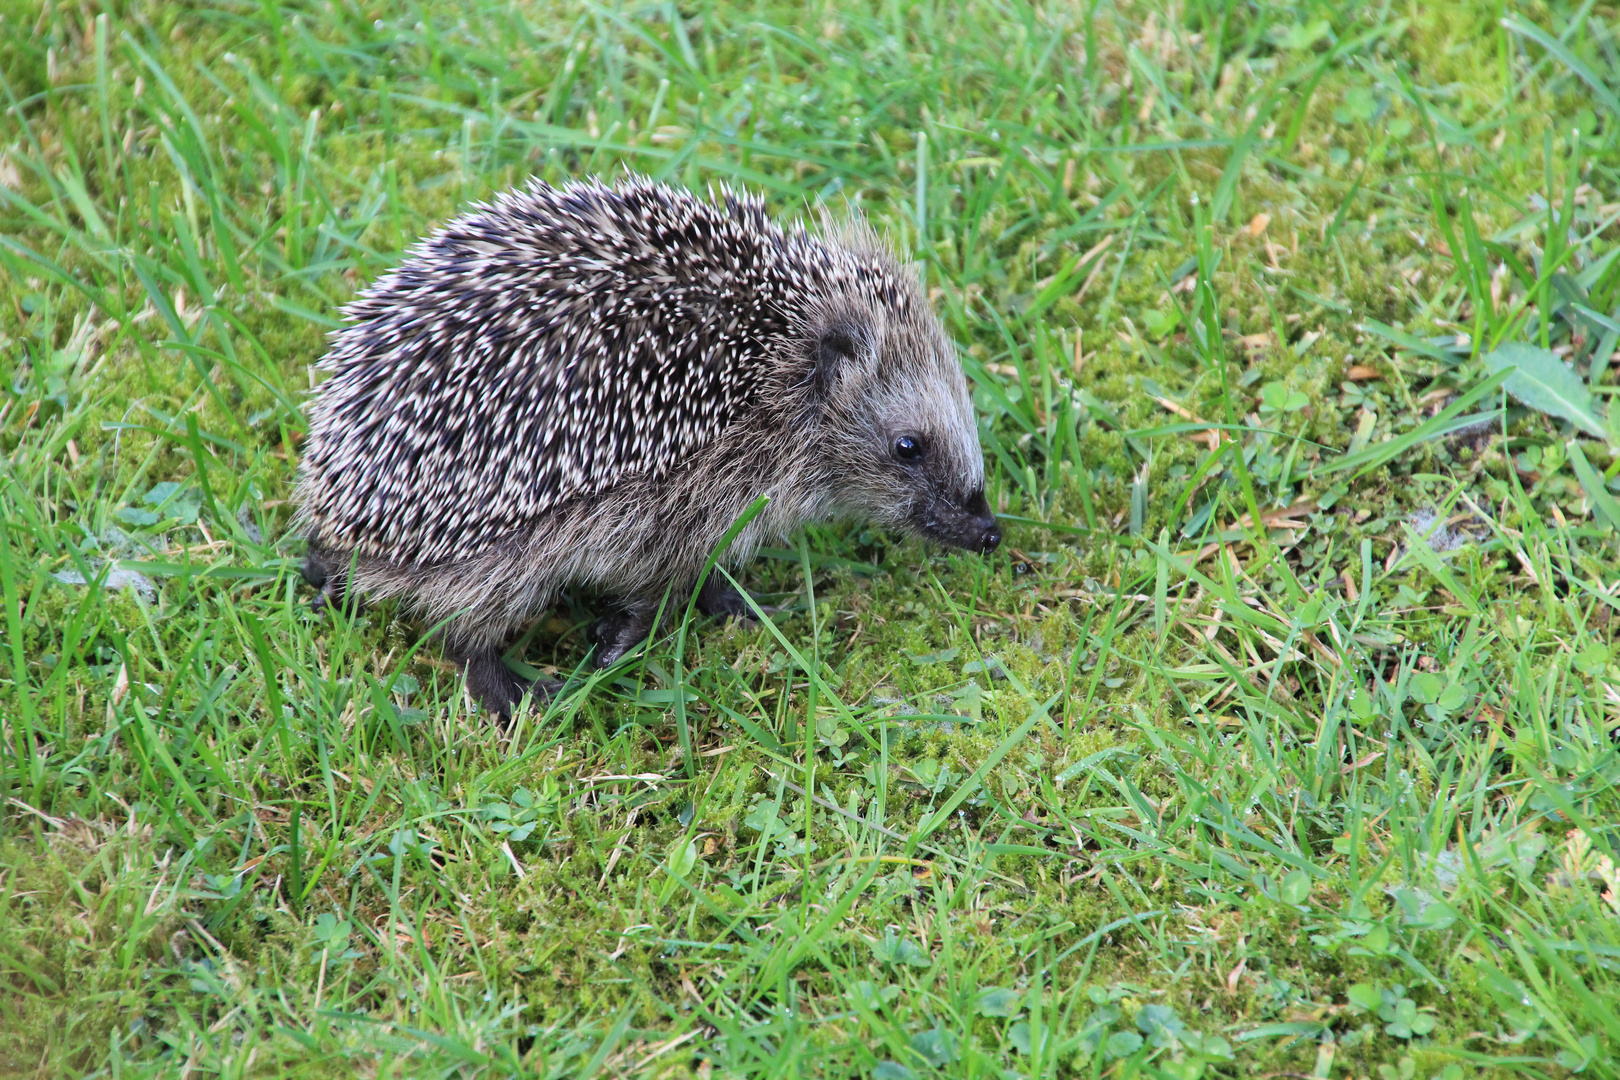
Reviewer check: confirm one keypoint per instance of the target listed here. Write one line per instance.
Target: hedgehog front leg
(330, 575)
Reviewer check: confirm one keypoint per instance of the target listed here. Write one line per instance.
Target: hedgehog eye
(907, 448)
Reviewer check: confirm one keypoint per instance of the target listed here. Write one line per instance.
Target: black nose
(991, 538)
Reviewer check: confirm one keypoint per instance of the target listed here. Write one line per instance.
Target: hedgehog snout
(985, 521)
(968, 524)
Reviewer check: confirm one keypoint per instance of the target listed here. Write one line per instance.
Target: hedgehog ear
(835, 347)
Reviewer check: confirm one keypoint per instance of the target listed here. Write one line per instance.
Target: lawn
(1277, 739)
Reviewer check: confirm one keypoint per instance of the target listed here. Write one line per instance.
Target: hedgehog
(580, 389)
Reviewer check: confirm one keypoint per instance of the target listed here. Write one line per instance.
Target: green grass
(1287, 750)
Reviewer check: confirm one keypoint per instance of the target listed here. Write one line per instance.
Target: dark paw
(314, 570)
(499, 689)
(334, 595)
(616, 634)
(320, 571)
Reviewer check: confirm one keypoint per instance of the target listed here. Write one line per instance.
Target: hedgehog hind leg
(497, 687)
(720, 598)
(615, 635)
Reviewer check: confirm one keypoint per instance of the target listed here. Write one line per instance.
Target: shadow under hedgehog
(585, 386)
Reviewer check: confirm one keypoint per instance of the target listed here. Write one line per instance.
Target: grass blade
(1600, 89)
(1605, 505)
(1446, 421)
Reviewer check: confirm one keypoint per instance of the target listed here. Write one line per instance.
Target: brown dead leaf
(1346, 770)
(1212, 436)
(1093, 255)
(1284, 517)
(404, 936)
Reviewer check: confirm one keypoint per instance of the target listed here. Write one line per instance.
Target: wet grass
(1277, 740)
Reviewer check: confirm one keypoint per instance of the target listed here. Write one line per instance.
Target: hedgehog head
(897, 419)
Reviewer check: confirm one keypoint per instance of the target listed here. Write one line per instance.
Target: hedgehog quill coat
(583, 387)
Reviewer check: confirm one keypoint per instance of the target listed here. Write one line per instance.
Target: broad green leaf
(1545, 383)
(683, 858)
(998, 1001)
(1426, 687)
(1121, 1044)
(1364, 996)
(936, 1046)
(1296, 887)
